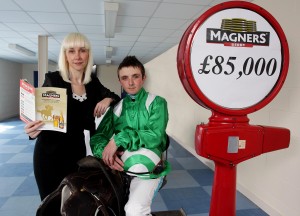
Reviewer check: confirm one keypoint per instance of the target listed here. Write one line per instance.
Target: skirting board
(260, 203)
(179, 212)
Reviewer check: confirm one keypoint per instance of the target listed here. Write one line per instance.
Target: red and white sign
(234, 58)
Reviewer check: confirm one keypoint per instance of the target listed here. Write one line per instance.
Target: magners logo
(50, 94)
(238, 33)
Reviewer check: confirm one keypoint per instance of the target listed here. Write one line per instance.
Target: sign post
(233, 60)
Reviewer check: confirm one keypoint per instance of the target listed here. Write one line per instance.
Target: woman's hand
(102, 106)
(31, 128)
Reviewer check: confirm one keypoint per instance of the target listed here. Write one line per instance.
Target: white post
(43, 58)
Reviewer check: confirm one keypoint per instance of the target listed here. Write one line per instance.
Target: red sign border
(186, 74)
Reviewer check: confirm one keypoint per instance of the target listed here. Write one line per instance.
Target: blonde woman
(56, 154)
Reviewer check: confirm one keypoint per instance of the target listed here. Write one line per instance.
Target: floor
(189, 184)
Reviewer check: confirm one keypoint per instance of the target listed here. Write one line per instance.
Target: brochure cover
(48, 104)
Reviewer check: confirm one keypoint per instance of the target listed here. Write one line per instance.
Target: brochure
(48, 104)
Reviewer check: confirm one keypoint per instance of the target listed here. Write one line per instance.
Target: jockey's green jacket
(133, 124)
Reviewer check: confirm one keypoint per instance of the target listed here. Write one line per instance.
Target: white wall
(108, 77)
(27, 71)
(270, 180)
(10, 74)
(184, 113)
(273, 177)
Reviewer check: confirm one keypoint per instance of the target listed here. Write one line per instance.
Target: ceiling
(145, 28)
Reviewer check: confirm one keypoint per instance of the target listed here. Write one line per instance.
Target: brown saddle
(94, 190)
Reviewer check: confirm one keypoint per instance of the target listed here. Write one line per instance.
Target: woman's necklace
(78, 89)
(78, 92)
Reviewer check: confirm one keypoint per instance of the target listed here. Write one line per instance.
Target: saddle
(94, 190)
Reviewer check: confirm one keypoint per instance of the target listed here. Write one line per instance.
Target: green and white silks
(135, 125)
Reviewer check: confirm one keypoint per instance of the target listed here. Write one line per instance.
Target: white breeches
(142, 192)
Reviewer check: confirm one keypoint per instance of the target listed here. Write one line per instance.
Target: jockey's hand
(31, 128)
(117, 165)
(108, 154)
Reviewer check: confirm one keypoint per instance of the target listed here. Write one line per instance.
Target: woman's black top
(56, 153)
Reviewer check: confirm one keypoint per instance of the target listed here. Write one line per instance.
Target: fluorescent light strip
(21, 49)
(110, 13)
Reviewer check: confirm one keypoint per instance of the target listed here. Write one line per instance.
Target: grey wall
(10, 75)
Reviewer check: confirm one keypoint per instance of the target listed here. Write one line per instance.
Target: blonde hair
(75, 39)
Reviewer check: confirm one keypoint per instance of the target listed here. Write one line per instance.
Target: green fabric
(145, 160)
(136, 127)
(103, 134)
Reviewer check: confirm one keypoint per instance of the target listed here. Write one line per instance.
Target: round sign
(234, 58)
